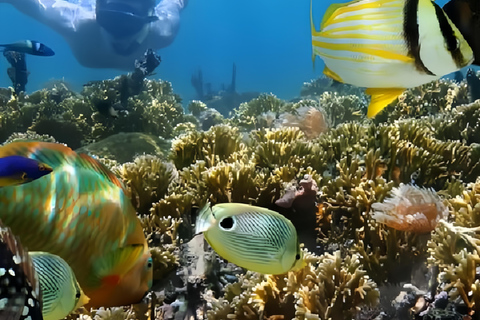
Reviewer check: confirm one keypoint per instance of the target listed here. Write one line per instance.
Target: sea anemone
(410, 208)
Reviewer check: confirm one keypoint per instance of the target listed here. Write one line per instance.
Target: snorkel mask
(125, 21)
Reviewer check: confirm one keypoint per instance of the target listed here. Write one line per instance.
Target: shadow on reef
(318, 161)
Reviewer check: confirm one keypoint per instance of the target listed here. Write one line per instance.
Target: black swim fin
(465, 14)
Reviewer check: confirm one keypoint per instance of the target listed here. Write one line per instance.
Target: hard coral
(148, 178)
(328, 287)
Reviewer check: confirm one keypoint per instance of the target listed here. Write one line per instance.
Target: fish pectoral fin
(381, 97)
(111, 267)
(329, 73)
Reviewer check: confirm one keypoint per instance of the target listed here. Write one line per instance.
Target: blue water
(268, 40)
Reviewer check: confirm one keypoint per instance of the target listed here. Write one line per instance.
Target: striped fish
(252, 237)
(19, 286)
(61, 293)
(80, 212)
(387, 46)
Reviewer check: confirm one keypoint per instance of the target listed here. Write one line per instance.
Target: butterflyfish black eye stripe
(411, 35)
(449, 36)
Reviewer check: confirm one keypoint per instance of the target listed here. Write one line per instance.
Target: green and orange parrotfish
(17, 170)
(82, 213)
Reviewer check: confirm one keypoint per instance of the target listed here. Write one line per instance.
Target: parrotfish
(17, 170)
(251, 237)
(61, 293)
(19, 286)
(30, 47)
(82, 213)
(387, 46)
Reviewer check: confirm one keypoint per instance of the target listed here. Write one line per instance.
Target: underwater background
(301, 146)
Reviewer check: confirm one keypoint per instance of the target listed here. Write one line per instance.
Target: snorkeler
(108, 33)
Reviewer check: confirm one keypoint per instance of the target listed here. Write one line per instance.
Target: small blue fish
(29, 46)
(16, 170)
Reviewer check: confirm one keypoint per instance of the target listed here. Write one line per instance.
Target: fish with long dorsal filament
(82, 213)
(387, 46)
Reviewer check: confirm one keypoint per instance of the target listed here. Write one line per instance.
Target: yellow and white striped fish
(61, 293)
(387, 46)
(251, 237)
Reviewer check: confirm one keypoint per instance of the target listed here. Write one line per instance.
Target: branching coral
(328, 287)
(215, 145)
(148, 178)
(456, 251)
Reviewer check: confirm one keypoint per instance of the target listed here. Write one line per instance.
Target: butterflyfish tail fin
(205, 219)
(380, 98)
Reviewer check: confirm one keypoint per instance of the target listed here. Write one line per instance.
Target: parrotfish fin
(88, 162)
(329, 73)
(381, 97)
(112, 280)
(205, 219)
(111, 267)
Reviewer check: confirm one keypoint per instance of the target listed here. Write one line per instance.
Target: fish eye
(78, 295)
(227, 223)
(297, 257)
(149, 263)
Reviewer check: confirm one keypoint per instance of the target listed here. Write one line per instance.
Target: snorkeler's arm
(62, 16)
(164, 30)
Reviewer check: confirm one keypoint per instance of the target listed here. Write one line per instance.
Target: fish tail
(205, 219)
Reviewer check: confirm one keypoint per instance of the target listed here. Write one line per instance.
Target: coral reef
(317, 160)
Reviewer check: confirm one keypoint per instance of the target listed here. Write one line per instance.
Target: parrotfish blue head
(32, 47)
(17, 170)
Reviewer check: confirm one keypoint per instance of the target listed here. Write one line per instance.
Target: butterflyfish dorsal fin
(380, 98)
